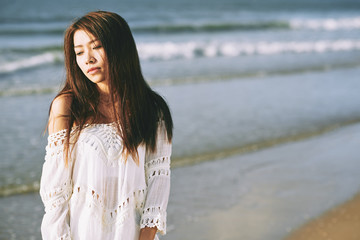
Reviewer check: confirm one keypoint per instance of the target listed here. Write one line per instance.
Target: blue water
(234, 72)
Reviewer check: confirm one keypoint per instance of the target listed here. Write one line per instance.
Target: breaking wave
(157, 51)
(328, 24)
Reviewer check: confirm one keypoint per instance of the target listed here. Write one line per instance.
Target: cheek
(80, 65)
(102, 57)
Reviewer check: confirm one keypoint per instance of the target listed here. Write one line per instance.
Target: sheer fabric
(99, 195)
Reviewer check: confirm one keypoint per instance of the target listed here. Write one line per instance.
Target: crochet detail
(57, 196)
(57, 138)
(55, 146)
(154, 217)
(99, 193)
(161, 161)
(104, 138)
(158, 167)
(108, 216)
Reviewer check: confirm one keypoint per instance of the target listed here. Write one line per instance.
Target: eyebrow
(92, 41)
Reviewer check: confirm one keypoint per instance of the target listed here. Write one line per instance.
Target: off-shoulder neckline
(85, 125)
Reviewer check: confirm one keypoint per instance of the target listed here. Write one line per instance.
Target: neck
(103, 89)
(104, 93)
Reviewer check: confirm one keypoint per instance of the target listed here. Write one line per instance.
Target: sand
(262, 195)
(340, 223)
(270, 193)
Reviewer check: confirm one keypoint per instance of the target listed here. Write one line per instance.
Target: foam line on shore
(266, 194)
(13, 92)
(208, 156)
(19, 189)
(251, 74)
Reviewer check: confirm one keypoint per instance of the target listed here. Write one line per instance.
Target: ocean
(238, 75)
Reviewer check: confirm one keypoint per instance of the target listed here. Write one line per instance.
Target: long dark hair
(140, 108)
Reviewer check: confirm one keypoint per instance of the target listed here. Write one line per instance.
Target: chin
(96, 80)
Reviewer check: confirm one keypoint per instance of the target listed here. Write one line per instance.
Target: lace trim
(154, 217)
(57, 138)
(109, 216)
(105, 140)
(160, 161)
(108, 143)
(54, 152)
(157, 167)
(57, 197)
(55, 146)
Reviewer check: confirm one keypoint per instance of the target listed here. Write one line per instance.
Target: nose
(90, 59)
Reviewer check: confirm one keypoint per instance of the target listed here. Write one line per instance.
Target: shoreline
(261, 145)
(212, 156)
(266, 194)
(338, 223)
(222, 130)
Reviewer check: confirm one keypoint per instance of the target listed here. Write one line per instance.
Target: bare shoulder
(59, 113)
(61, 105)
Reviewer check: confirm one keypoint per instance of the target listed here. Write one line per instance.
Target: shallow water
(227, 115)
(265, 194)
(234, 73)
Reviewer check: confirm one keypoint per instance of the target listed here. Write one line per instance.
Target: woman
(107, 166)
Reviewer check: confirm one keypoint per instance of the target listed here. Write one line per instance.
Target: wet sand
(261, 195)
(339, 223)
(270, 193)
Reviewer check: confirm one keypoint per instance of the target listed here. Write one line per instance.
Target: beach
(341, 222)
(264, 97)
(264, 194)
(272, 171)
(252, 200)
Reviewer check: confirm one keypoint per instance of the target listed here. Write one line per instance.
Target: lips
(93, 70)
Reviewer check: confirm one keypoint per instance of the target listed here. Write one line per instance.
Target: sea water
(235, 73)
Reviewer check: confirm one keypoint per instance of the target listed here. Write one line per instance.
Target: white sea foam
(33, 61)
(188, 50)
(156, 51)
(328, 24)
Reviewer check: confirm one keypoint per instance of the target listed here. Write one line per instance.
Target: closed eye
(78, 53)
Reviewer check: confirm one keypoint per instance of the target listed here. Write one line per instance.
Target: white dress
(99, 195)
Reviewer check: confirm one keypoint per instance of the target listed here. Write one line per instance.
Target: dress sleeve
(56, 189)
(157, 173)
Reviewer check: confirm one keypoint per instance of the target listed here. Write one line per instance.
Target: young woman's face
(90, 57)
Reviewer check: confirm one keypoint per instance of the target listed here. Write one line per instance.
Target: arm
(55, 184)
(59, 113)
(147, 233)
(157, 172)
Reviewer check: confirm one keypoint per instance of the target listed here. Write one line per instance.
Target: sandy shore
(341, 222)
(269, 194)
(262, 195)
